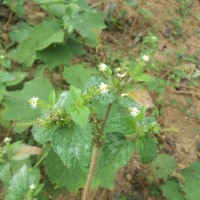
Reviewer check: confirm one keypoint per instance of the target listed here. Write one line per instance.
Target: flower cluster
(32, 186)
(134, 111)
(102, 67)
(7, 139)
(103, 88)
(34, 102)
(146, 58)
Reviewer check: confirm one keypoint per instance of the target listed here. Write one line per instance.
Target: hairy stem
(95, 157)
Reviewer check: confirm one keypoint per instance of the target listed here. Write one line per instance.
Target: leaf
(20, 184)
(2, 92)
(116, 153)
(171, 190)
(55, 55)
(120, 124)
(77, 75)
(25, 53)
(6, 77)
(43, 36)
(61, 176)
(19, 77)
(142, 97)
(163, 166)
(5, 172)
(192, 183)
(147, 149)
(88, 24)
(71, 144)
(143, 78)
(18, 100)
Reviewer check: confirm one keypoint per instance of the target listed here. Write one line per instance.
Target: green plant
(87, 132)
(185, 7)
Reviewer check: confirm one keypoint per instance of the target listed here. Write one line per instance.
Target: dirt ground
(179, 110)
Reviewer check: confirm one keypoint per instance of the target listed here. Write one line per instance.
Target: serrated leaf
(71, 144)
(25, 53)
(143, 78)
(61, 176)
(171, 190)
(164, 166)
(55, 55)
(147, 149)
(116, 153)
(77, 75)
(120, 124)
(18, 100)
(5, 172)
(20, 184)
(192, 181)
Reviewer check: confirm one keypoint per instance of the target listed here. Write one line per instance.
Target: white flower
(7, 139)
(32, 186)
(102, 67)
(134, 111)
(124, 94)
(103, 88)
(34, 102)
(154, 38)
(121, 75)
(146, 58)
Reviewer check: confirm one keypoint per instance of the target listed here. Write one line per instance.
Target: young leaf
(147, 149)
(61, 176)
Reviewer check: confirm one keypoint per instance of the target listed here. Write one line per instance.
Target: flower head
(7, 139)
(121, 75)
(102, 67)
(124, 94)
(134, 111)
(103, 88)
(146, 58)
(32, 186)
(34, 102)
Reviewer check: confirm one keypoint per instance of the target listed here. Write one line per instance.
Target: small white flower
(124, 94)
(146, 58)
(134, 111)
(103, 88)
(34, 102)
(102, 67)
(154, 38)
(7, 139)
(2, 56)
(32, 186)
(121, 75)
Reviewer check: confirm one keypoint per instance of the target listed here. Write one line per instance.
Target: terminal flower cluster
(146, 58)
(134, 111)
(103, 88)
(102, 67)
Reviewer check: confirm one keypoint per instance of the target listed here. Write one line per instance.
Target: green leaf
(143, 77)
(25, 53)
(55, 55)
(147, 149)
(5, 172)
(20, 184)
(88, 24)
(76, 109)
(171, 190)
(18, 100)
(71, 144)
(116, 153)
(6, 77)
(43, 36)
(77, 75)
(164, 166)
(19, 77)
(2, 92)
(121, 124)
(192, 181)
(61, 176)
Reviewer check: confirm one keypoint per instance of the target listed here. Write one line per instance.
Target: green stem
(41, 159)
(95, 157)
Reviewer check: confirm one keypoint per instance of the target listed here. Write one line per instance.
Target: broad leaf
(18, 100)
(164, 166)
(61, 176)
(2, 92)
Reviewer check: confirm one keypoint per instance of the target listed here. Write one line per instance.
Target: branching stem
(95, 157)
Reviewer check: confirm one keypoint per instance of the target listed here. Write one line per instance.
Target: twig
(135, 19)
(102, 48)
(9, 19)
(190, 87)
(185, 92)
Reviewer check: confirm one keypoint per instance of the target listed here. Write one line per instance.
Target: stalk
(95, 156)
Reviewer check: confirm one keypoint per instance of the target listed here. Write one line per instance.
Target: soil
(180, 108)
